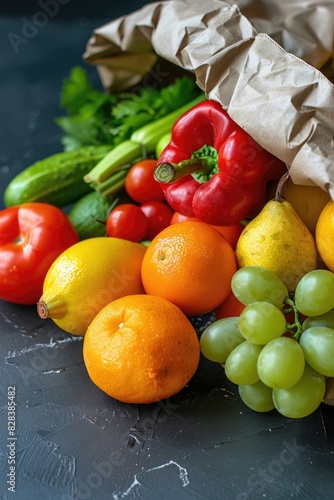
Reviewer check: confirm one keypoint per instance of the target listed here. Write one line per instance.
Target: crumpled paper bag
(303, 27)
(264, 69)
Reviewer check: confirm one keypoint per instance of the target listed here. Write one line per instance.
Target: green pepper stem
(172, 172)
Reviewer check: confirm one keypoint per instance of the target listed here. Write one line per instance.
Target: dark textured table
(71, 440)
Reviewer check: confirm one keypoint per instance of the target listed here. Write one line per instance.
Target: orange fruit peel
(324, 235)
(190, 264)
(141, 349)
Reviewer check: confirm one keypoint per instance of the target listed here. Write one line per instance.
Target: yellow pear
(278, 240)
(308, 201)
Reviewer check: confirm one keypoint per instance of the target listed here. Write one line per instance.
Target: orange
(324, 235)
(86, 277)
(231, 233)
(230, 307)
(190, 264)
(141, 349)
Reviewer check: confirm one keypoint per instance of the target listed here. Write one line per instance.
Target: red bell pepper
(32, 235)
(212, 169)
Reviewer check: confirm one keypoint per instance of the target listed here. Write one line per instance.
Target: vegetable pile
(134, 164)
(126, 125)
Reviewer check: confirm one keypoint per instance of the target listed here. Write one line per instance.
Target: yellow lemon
(86, 277)
(324, 235)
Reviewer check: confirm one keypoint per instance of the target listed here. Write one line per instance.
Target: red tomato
(230, 307)
(127, 221)
(231, 233)
(177, 217)
(32, 235)
(140, 183)
(158, 214)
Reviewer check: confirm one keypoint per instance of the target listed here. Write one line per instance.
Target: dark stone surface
(73, 441)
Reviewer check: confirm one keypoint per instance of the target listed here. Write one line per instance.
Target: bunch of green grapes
(274, 363)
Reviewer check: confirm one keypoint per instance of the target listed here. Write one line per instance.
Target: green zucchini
(56, 179)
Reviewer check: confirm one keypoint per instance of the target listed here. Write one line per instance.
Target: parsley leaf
(96, 117)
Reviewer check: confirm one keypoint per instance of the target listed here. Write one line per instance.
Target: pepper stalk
(202, 166)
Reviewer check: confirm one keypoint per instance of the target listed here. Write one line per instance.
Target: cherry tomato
(127, 221)
(158, 215)
(140, 183)
(231, 307)
(231, 233)
(32, 236)
(177, 217)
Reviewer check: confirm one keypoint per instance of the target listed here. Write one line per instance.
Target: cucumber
(56, 179)
(89, 214)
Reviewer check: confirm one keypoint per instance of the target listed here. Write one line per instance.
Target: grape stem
(296, 327)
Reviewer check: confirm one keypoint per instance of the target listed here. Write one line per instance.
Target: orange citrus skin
(324, 235)
(231, 233)
(141, 349)
(190, 264)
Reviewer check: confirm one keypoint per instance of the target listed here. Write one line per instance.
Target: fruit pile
(129, 273)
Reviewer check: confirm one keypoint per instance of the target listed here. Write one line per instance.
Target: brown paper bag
(279, 97)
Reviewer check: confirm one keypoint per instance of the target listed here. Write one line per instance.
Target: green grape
(317, 343)
(326, 319)
(220, 338)
(257, 397)
(261, 322)
(281, 363)
(314, 294)
(257, 284)
(240, 366)
(303, 398)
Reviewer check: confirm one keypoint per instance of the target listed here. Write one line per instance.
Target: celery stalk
(117, 158)
(141, 143)
(113, 184)
(149, 134)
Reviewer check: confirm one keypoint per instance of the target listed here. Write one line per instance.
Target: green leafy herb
(96, 117)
